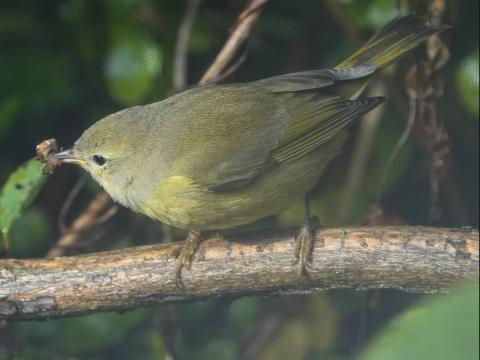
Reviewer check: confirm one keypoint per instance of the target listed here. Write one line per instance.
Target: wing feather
(304, 113)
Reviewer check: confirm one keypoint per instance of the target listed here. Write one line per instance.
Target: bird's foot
(184, 258)
(304, 245)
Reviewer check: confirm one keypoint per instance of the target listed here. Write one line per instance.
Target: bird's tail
(394, 40)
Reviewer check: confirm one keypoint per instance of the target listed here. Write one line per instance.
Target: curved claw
(304, 246)
(184, 259)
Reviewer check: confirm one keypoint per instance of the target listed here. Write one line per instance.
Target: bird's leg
(190, 246)
(304, 240)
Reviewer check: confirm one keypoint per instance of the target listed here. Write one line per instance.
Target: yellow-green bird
(218, 156)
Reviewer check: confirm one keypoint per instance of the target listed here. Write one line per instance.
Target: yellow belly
(180, 202)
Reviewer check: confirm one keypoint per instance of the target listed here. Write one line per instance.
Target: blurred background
(64, 64)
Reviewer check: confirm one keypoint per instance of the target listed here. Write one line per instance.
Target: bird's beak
(68, 156)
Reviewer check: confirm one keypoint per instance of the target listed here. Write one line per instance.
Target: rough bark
(420, 259)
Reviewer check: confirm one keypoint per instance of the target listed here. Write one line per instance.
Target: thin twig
(67, 204)
(419, 259)
(396, 150)
(100, 209)
(261, 334)
(230, 70)
(166, 325)
(238, 35)
(181, 49)
(368, 128)
(358, 163)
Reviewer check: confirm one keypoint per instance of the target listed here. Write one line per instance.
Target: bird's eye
(99, 160)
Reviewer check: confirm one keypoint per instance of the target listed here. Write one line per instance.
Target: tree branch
(100, 209)
(238, 35)
(421, 259)
(181, 49)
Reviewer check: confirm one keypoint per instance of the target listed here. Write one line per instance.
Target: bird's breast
(175, 201)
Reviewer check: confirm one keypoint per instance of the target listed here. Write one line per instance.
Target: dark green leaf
(444, 327)
(468, 83)
(18, 192)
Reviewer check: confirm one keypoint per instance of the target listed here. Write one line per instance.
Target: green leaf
(467, 80)
(443, 327)
(18, 192)
(132, 66)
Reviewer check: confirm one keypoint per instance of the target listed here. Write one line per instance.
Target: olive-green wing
(308, 114)
(333, 116)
